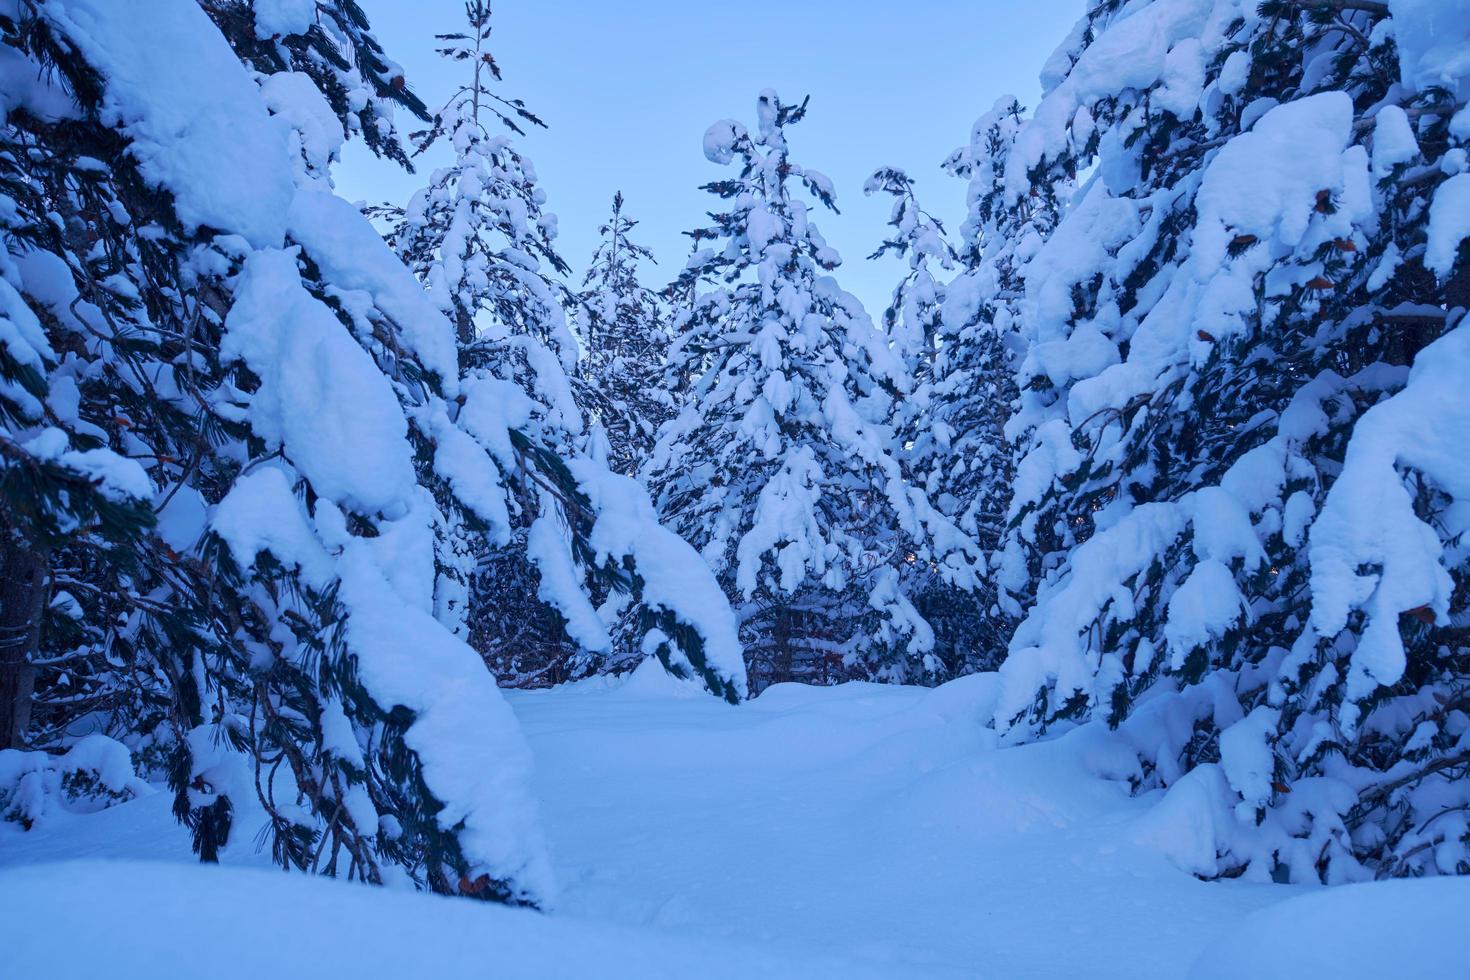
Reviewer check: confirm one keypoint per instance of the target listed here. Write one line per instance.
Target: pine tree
(1217, 335)
(253, 647)
(539, 598)
(241, 460)
(65, 495)
(478, 237)
(965, 634)
(912, 318)
(781, 467)
(962, 449)
(625, 342)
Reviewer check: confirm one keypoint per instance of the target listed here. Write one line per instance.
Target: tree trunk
(22, 593)
(780, 670)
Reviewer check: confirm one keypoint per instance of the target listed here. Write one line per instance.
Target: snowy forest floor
(873, 826)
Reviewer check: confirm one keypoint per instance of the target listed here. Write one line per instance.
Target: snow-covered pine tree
(781, 467)
(248, 343)
(973, 387)
(540, 585)
(478, 237)
(965, 637)
(66, 498)
(960, 449)
(202, 338)
(1243, 467)
(624, 341)
(911, 320)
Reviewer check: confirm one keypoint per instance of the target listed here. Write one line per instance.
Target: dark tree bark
(22, 594)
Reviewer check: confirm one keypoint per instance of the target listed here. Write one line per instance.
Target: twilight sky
(628, 90)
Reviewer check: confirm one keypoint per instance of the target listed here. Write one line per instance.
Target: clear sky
(628, 90)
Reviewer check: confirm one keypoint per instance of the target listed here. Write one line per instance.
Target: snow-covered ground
(848, 831)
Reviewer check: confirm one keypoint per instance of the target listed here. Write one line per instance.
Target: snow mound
(97, 772)
(318, 927)
(1432, 36)
(1404, 928)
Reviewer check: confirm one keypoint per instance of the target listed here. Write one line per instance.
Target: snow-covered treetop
(762, 212)
(478, 233)
(912, 318)
(612, 295)
(623, 332)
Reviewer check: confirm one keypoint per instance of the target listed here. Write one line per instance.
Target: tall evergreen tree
(966, 637)
(538, 595)
(912, 320)
(258, 639)
(480, 239)
(1245, 548)
(625, 341)
(962, 449)
(781, 467)
(239, 455)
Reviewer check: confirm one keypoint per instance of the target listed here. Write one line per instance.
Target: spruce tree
(963, 448)
(625, 342)
(241, 460)
(781, 467)
(253, 647)
(1244, 550)
(540, 594)
(478, 237)
(911, 320)
(927, 423)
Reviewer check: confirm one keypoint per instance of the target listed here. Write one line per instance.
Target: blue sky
(628, 90)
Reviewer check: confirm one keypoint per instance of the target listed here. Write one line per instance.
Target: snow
(1051, 642)
(474, 759)
(323, 928)
(1369, 522)
(1132, 52)
(37, 788)
(20, 88)
(461, 460)
(352, 256)
(1202, 609)
(1265, 182)
(1406, 928)
(321, 397)
(1433, 38)
(1188, 823)
(293, 96)
(492, 407)
(197, 125)
(675, 576)
(1394, 142)
(280, 18)
(116, 477)
(874, 828)
(785, 525)
(1246, 757)
(182, 518)
(559, 584)
(23, 338)
(1449, 224)
(262, 513)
